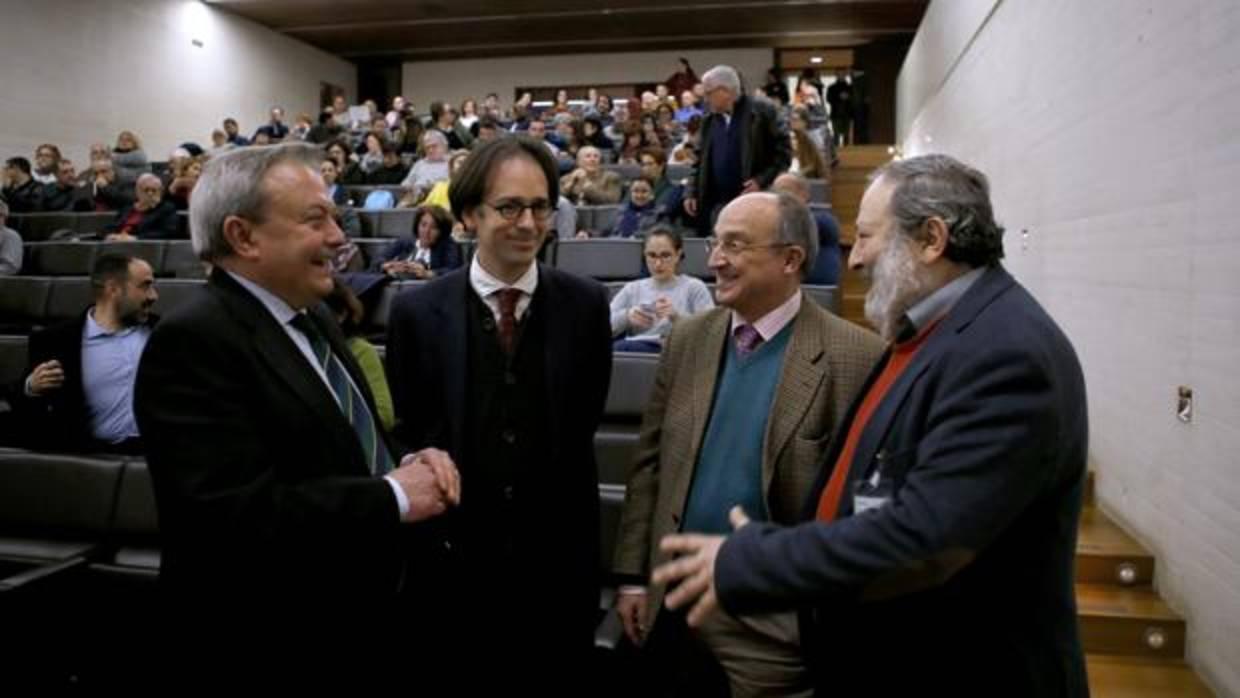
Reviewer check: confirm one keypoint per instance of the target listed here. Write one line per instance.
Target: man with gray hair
(431, 169)
(271, 472)
(743, 145)
(939, 556)
(745, 399)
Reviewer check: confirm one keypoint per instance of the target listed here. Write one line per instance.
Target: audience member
(643, 312)
(438, 195)
(591, 184)
(10, 245)
(826, 269)
(638, 213)
(46, 159)
(129, 159)
(277, 130)
(391, 169)
(65, 194)
(443, 119)
(149, 218)
(667, 194)
(743, 146)
(105, 192)
(807, 159)
(78, 393)
(432, 168)
(430, 252)
(21, 190)
(184, 176)
(233, 132)
(346, 215)
(773, 374)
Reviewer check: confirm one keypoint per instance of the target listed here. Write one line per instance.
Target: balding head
(793, 184)
(765, 243)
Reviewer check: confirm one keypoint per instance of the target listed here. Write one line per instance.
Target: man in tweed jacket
(745, 400)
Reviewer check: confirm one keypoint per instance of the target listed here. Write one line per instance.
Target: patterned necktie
(350, 400)
(747, 339)
(508, 298)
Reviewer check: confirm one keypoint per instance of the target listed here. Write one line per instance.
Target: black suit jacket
(160, 223)
(260, 481)
(962, 583)
(60, 419)
(427, 360)
(766, 151)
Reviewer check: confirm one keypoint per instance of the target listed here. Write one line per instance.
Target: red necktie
(508, 298)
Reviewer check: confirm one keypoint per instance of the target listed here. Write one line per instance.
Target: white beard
(896, 284)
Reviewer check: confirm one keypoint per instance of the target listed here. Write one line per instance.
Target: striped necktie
(347, 396)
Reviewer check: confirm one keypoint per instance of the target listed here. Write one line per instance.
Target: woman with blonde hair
(128, 159)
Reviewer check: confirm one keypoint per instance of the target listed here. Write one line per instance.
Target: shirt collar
(485, 283)
(275, 305)
(93, 329)
(773, 322)
(939, 303)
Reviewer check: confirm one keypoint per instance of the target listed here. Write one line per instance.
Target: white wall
(429, 81)
(76, 73)
(1110, 130)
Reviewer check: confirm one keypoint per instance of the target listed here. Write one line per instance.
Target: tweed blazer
(825, 365)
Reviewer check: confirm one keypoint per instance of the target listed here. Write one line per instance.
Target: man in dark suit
(742, 146)
(78, 391)
(271, 475)
(939, 557)
(505, 364)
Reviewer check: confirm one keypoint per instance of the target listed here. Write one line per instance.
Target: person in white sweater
(643, 311)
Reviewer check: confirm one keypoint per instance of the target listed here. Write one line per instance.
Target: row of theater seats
(74, 524)
(31, 302)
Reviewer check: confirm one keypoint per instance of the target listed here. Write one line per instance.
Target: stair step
(1112, 676)
(1105, 554)
(1132, 621)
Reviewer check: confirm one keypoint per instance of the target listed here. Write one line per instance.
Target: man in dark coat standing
(743, 145)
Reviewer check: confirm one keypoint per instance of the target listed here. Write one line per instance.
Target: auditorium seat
(603, 218)
(150, 251)
(372, 248)
(133, 554)
(626, 171)
(613, 287)
(92, 223)
(12, 358)
(23, 302)
(376, 323)
(632, 380)
(36, 227)
(68, 298)
(678, 172)
(175, 292)
(697, 255)
(55, 512)
(181, 262)
(604, 259)
(60, 258)
(395, 222)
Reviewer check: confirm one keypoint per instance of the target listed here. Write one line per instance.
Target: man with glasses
(745, 400)
(505, 365)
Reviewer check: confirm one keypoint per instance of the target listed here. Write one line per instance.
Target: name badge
(863, 503)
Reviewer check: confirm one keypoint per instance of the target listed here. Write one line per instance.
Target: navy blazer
(962, 584)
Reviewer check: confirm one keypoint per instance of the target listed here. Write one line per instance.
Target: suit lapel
(705, 375)
(983, 291)
(803, 371)
(274, 348)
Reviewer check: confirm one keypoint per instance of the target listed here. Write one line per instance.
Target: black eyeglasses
(512, 210)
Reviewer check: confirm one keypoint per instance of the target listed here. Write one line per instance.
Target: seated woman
(643, 311)
(185, 175)
(432, 252)
(348, 311)
(590, 184)
(638, 213)
(129, 159)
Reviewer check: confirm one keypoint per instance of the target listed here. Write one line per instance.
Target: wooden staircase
(1134, 643)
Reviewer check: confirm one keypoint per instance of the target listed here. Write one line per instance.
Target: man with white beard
(938, 559)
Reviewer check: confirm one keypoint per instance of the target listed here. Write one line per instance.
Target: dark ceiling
(378, 30)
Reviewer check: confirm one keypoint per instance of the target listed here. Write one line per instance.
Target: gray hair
(231, 185)
(436, 136)
(940, 186)
(797, 228)
(722, 76)
(145, 176)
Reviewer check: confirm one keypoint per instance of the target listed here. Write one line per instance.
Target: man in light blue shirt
(79, 392)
